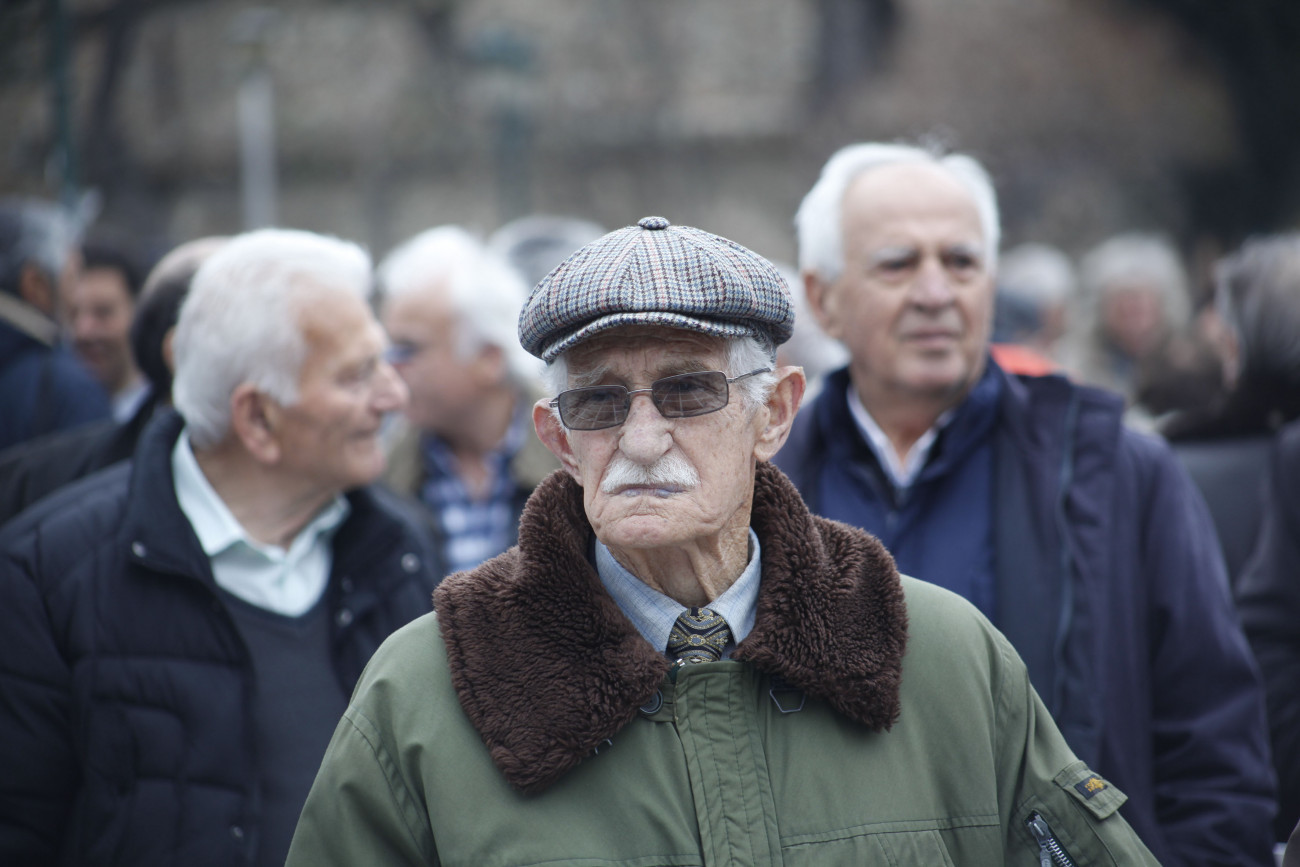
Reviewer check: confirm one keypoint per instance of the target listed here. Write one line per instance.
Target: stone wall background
(1095, 116)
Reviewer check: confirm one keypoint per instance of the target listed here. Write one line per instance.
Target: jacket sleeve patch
(1091, 786)
(1100, 797)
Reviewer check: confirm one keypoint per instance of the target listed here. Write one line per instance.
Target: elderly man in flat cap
(679, 664)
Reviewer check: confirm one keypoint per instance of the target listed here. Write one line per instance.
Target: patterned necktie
(699, 635)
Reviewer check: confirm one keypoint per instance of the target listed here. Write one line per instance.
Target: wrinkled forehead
(649, 349)
(329, 317)
(892, 199)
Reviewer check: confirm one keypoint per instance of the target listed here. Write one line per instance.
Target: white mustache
(670, 471)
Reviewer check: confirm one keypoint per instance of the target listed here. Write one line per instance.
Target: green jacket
(866, 719)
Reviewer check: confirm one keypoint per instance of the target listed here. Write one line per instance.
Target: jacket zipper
(1050, 851)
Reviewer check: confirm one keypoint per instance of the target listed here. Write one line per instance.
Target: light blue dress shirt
(653, 614)
(287, 581)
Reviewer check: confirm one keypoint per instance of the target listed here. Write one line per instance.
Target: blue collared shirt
(474, 530)
(653, 614)
(287, 581)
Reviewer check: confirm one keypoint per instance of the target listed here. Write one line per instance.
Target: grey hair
(239, 323)
(1137, 257)
(34, 232)
(1040, 274)
(744, 354)
(809, 346)
(819, 224)
(535, 244)
(485, 293)
(1257, 291)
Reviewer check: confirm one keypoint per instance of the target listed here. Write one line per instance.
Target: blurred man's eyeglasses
(681, 396)
(402, 353)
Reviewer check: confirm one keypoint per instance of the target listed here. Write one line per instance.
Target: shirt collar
(901, 472)
(216, 526)
(653, 614)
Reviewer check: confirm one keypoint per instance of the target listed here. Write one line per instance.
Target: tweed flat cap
(655, 273)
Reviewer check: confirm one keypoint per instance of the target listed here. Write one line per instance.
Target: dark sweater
(297, 701)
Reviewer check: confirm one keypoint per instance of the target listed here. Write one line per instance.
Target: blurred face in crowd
(345, 388)
(444, 384)
(98, 311)
(914, 300)
(1132, 316)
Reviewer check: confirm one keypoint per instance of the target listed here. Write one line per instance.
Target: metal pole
(257, 148)
(256, 108)
(65, 151)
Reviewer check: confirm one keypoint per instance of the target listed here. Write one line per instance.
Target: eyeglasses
(402, 352)
(681, 396)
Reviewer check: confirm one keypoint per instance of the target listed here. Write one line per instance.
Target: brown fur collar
(547, 667)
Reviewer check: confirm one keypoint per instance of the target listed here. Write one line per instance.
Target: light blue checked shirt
(653, 614)
(473, 530)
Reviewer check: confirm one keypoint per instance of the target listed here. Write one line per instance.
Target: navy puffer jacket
(126, 726)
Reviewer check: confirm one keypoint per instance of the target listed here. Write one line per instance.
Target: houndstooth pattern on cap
(657, 274)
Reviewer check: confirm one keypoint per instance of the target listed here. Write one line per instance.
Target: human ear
(818, 294)
(782, 404)
(254, 419)
(37, 289)
(554, 437)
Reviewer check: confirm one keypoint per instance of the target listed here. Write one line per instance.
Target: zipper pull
(1050, 852)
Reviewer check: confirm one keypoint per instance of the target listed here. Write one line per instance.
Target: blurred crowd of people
(230, 469)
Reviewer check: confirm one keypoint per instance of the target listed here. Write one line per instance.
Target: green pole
(65, 152)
